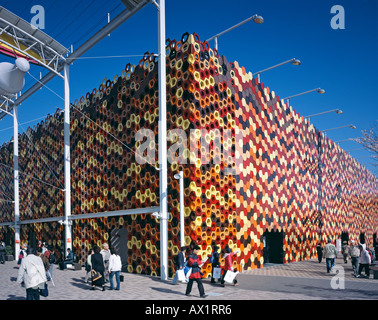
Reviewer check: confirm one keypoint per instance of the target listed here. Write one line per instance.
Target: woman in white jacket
(115, 266)
(32, 272)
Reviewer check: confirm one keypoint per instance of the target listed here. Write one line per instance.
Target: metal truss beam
(118, 213)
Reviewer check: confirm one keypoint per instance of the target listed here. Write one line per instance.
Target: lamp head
(353, 127)
(338, 111)
(321, 91)
(296, 62)
(258, 19)
(22, 64)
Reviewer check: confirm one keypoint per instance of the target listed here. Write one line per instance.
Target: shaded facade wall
(267, 169)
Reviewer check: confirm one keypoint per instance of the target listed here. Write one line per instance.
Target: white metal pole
(182, 208)
(67, 160)
(16, 183)
(163, 145)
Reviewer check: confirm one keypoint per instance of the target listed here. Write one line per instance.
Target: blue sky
(343, 62)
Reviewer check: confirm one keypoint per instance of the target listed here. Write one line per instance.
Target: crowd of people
(35, 267)
(190, 268)
(104, 265)
(361, 257)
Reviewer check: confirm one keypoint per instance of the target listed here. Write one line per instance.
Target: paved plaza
(306, 280)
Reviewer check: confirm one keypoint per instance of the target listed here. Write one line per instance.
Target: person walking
(180, 263)
(44, 260)
(88, 266)
(365, 261)
(214, 260)
(228, 265)
(354, 252)
(195, 263)
(44, 247)
(2, 252)
(330, 253)
(319, 251)
(50, 255)
(98, 266)
(345, 251)
(105, 252)
(22, 254)
(115, 266)
(32, 273)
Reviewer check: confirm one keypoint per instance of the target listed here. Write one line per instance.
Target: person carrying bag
(180, 265)
(98, 269)
(195, 263)
(32, 273)
(228, 275)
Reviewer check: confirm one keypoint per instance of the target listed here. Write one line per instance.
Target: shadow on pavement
(14, 297)
(168, 291)
(79, 283)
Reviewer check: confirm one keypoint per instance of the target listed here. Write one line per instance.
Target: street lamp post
(349, 125)
(180, 177)
(349, 139)
(319, 90)
(163, 144)
(338, 111)
(355, 149)
(294, 61)
(256, 18)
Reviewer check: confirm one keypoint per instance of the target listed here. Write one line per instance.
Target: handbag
(216, 273)
(45, 291)
(181, 275)
(96, 275)
(230, 276)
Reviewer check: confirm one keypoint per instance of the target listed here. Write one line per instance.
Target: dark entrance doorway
(118, 240)
(344, 237)
(273, 247)
(362, 237)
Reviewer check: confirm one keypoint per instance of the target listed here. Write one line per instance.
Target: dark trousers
(67, 262)
(32, 294)
(200, 286)
(330, 264)
(367, 269)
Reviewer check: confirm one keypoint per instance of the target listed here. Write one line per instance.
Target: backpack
(51, 258)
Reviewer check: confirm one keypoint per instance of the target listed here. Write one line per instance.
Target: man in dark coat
(195, 263)
(98, 265)
(180, 263)
(319, 251)
(2, 252)
(214, 262)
